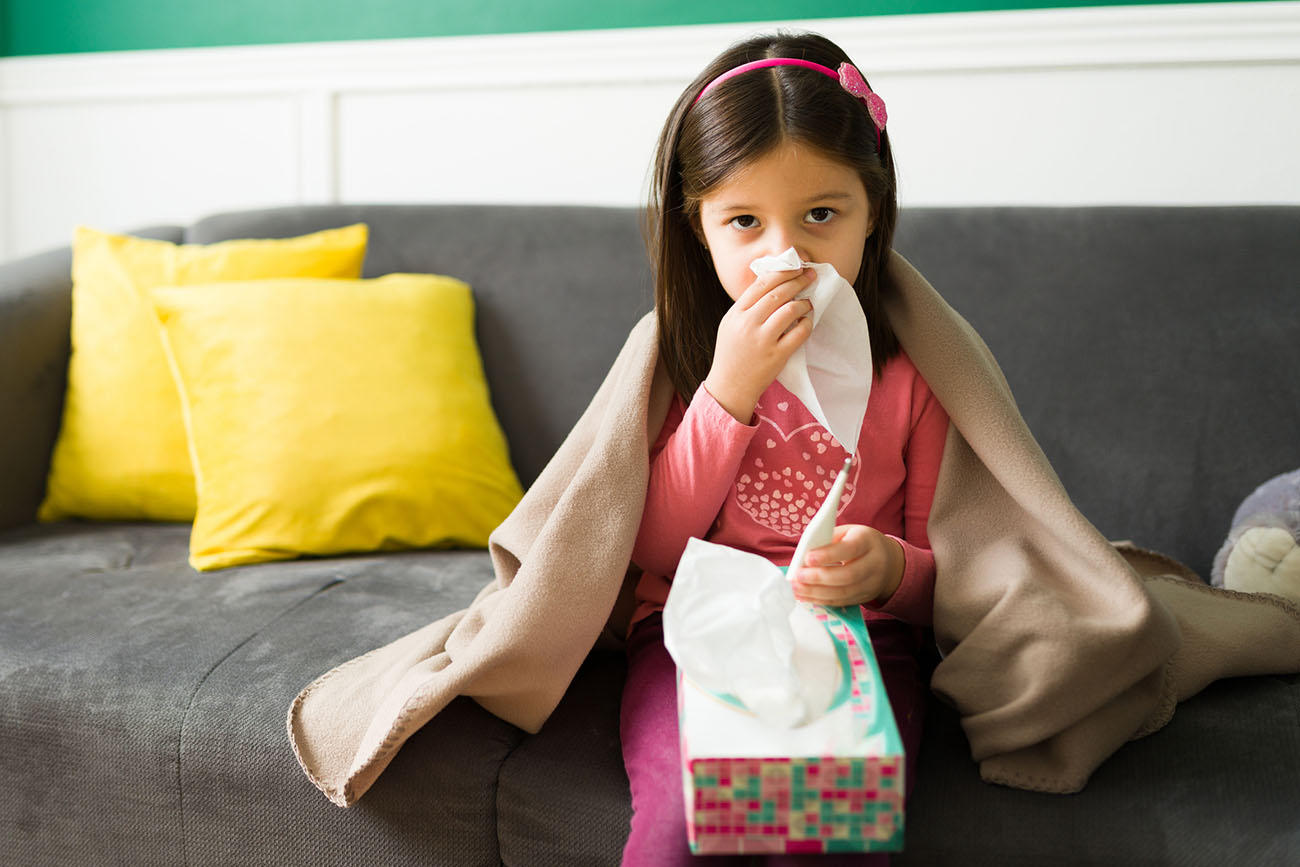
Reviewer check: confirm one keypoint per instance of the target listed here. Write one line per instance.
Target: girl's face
(793, 196)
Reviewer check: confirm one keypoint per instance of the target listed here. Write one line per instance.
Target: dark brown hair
(704, 144)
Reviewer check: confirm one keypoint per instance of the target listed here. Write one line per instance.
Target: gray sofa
(142, 704)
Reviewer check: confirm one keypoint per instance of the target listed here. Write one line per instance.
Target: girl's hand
(861, 564)
(755, 339)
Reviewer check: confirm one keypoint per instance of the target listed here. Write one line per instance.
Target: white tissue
(831, 373)
(733, 626)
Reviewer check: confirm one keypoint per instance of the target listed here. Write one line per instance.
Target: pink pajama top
(755, 487)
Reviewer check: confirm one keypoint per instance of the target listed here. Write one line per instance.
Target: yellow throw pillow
(121, 452)
(331, 416)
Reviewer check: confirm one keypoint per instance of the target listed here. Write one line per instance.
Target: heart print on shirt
(790, 466)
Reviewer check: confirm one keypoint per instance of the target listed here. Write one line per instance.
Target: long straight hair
(704, 144)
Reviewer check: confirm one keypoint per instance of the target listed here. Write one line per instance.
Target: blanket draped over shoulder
(1056, 646)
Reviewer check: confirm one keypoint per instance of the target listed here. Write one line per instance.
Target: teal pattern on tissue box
(833, 785)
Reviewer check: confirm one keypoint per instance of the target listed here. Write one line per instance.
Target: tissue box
(833, 785)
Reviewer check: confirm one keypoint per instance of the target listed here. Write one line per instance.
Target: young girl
(779, 143)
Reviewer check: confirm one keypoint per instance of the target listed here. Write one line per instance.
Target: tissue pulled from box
(733, 626)
(831, 372)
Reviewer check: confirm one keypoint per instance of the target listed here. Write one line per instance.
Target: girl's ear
(698, 228)
(873, 218)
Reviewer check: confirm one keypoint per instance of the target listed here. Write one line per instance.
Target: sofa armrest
(35, 323)
(35, 312)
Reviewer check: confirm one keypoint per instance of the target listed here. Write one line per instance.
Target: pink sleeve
(693, 465)
(913, 601)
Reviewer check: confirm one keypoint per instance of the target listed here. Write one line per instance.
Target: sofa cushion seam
(496, 794)
(189, 705)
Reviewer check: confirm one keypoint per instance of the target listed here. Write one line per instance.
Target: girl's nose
(784, 240)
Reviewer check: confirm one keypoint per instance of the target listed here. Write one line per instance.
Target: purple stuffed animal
(1262, 552)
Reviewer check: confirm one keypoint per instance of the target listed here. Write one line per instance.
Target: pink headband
(847, 75)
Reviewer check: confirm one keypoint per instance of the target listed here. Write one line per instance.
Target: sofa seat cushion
(1217, 785)
(577, 761)
(144, 704)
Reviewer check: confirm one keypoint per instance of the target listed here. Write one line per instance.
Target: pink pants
(648, 726)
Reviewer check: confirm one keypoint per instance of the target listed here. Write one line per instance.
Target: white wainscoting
(1179, 104)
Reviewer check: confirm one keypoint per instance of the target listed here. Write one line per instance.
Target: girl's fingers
(817, 596)
(828, 585)
(846, 579)
(781, 308)
(788, 315)
(819, 578)
(775, 289)
(760, 287)
(795, 335)
(849, 542)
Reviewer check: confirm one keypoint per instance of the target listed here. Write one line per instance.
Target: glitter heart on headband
(852, 81)
(848, 76)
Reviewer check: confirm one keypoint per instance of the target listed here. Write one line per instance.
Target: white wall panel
(1146, 135)
(122, 164)
(588, 144)
(1174, 104)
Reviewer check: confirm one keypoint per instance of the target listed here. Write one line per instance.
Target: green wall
(30, 27)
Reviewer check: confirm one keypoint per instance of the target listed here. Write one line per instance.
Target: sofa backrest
(35, 329)
(1155, 352)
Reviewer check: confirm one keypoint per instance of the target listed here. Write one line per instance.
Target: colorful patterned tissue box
(832, 785)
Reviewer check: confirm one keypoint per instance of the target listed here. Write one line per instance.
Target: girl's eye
(820, 215)
(744, 221)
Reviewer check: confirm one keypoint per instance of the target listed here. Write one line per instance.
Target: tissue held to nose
(787, 261)
(831, 372)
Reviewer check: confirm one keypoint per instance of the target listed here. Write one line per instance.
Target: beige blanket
(1057, 649)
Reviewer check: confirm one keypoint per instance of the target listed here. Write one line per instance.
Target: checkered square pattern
(797, 805)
